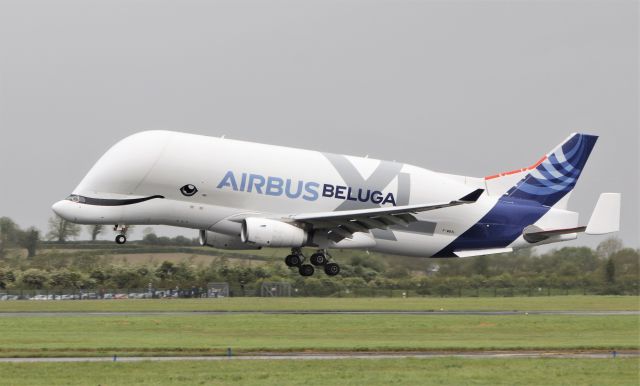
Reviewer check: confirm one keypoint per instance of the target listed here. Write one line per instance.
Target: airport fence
(301, 291)
(105, 294)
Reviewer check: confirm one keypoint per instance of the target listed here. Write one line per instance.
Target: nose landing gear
(121, 238)
(318, 259)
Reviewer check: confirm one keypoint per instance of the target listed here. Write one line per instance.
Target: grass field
(576, 303)
(250, 333)
(436, 371)
(211, 334)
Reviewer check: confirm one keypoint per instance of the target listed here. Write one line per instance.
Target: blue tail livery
(556, 174)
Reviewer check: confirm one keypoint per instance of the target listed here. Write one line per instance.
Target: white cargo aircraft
(243, 195)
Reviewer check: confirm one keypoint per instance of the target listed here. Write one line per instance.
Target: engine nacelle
(272, 233)
(222, 241)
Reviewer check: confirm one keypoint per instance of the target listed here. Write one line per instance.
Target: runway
(40, 314)
(347, 355)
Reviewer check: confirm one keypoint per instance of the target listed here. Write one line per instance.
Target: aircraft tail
(556, 174)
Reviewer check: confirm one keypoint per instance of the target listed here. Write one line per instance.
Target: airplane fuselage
(207, 183)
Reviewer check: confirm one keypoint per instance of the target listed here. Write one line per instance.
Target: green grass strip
(576, 303)
(434, 371)
(250, 333)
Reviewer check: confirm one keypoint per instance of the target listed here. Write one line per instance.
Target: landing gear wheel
(292, 261)
(318, 259)
(306, 270)
(331, 269)
(121, 239)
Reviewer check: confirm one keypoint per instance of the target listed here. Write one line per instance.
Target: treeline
(61, 231)
(610, 269)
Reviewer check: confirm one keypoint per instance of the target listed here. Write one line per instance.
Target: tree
(61, 230)
(181, 240)
(608, 247)
(481, 265)
(610, 271)
(65, 279)
(166, 270)
(99, 275)
(30, 239)
(6, 277)
(150, 238)
(8, 234)
(95, 230)
(126, 277)
(34, 278)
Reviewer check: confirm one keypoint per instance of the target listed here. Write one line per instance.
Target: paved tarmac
(329, 312)
(354, 355)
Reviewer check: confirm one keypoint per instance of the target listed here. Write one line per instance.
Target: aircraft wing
(343, 224)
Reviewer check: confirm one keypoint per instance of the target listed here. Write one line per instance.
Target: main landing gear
(121, 238)
(318, 259)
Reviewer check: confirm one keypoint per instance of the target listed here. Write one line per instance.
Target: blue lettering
(274, 186)
(257, 184)
(228, 180)
(287, 189)
(365, 198)
(376, 197)
(390, 199)
(312, 193)
(327, 190)
(243, 182)
(349, 195)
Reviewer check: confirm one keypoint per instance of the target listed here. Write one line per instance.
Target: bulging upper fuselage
(207, 183)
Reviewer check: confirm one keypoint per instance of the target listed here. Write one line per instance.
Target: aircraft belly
(410, 243)
(176, 213)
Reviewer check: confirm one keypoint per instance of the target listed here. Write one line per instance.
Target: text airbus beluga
(243, 195)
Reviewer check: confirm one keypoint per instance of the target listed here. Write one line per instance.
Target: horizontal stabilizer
(479, 252)
(606, 216)
(604, 219)
(533, 234)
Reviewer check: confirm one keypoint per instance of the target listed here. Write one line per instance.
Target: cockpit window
(76, 198)
(109, 201)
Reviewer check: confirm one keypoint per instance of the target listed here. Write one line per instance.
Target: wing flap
(343, 224)
(394, 210)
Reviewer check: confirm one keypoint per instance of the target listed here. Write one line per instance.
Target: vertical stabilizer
(557, 173)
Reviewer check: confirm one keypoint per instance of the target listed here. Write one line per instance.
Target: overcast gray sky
(467, 87)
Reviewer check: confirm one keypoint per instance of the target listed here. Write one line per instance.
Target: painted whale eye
(188, 190)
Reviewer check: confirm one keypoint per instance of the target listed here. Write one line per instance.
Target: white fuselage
(231, 179)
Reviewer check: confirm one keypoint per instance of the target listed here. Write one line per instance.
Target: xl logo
(381, 177)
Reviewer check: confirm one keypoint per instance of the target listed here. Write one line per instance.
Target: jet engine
(272, 233)
(222, 241)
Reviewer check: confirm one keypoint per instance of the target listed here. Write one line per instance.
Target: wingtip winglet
(473, 196)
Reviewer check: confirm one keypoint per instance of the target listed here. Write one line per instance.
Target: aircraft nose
(61, 208)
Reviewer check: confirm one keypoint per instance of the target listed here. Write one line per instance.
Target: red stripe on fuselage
(541, 160)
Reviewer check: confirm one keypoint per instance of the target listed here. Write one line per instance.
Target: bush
(34, 278)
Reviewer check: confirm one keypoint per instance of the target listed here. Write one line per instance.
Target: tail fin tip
(556, 174)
